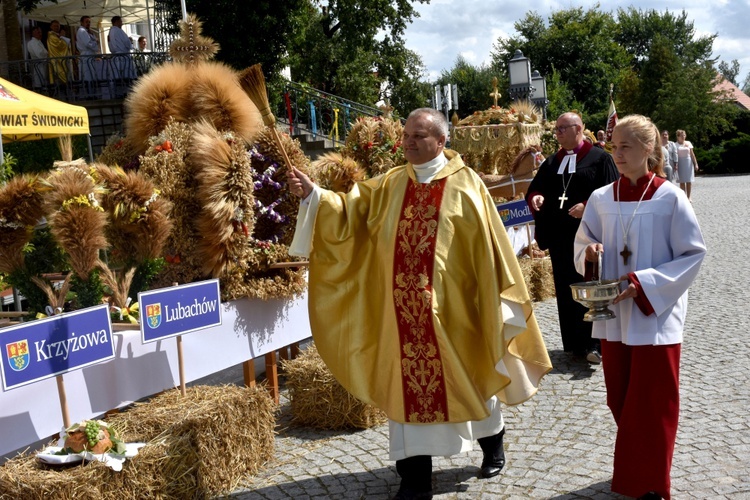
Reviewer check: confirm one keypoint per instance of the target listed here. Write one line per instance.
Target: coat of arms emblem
(153, 315)
(504, 214)
(18, 355)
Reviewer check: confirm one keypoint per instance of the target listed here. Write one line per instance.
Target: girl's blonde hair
(646, 133)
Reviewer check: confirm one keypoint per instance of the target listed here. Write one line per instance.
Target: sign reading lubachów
(44, 348)
(515, 213)
(168, 312)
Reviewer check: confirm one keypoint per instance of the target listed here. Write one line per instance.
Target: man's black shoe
(494, 454)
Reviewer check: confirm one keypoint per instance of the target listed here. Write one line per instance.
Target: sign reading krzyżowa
(168, 312)
(44, 348)
(515, 213)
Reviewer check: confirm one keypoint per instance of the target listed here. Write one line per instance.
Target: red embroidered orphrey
(422, 376)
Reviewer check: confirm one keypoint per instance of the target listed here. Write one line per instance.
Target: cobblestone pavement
(559, 444)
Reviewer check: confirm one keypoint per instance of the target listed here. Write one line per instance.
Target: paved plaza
(559, 444)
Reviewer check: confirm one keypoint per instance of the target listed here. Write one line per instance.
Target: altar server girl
(649, 237)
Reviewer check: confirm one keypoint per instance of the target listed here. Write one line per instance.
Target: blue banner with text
(47, 347)
(515, 213)
(168, 312)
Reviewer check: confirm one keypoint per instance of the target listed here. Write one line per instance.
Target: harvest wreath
(195, 132)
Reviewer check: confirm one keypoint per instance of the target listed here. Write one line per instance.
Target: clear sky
(449, 28)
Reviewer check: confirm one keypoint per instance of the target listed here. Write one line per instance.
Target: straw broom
(253, 83)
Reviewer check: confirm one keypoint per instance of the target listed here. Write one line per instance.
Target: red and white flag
(611, 119)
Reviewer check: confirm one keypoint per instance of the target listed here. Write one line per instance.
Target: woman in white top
(686, 162)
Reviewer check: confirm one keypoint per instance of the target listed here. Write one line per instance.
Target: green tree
(410, 91)
(578, 44)
(249, 33)
(355, 49)
(730, 71)
(637, 30)
(700, 113)
(474, 85)
(560, 97)
(639, 89)
(672, 74)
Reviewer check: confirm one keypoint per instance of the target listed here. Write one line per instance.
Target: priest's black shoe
(409, 494)
(494, 454)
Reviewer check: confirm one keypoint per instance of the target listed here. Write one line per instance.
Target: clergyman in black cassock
(557, 216)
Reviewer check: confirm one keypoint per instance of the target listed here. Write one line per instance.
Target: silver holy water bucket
(597, 296)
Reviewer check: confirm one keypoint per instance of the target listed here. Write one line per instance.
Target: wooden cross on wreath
(191, 46)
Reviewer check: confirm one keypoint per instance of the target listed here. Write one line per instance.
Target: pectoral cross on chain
(625, 254)
(562, 199)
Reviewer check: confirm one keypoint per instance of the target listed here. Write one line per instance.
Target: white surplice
(668, 249)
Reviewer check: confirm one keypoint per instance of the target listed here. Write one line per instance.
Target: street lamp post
(519, 72)
(527, 85)
(446, 98)
(539, 92)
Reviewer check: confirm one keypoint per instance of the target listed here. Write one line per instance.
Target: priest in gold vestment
(417, 303)
(57, 47)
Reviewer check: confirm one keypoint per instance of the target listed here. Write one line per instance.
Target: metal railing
(110, 76)
(82, 78)
(319, 114)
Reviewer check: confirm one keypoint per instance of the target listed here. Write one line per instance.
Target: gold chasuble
(417, 303)
(57, 47)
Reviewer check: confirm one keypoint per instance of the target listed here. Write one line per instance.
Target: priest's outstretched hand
(299, 183)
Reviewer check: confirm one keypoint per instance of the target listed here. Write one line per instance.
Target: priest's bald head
(569, 130)
(424, 136)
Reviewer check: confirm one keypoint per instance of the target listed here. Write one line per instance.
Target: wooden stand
(248, 373)
(180, 360)
(272, 374)
(181, 363)
(272, 370)
(63, 401)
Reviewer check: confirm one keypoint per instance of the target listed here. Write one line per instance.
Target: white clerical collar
(426, 171)
(569, 160)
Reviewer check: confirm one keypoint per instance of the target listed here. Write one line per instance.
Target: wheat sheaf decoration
(21, 208)
(336, 172)
(78, 221)
(139, 222)
(157, 99)
(375, 143)
(192, 47)
(120, 303)
(225, 192)
(55, 296)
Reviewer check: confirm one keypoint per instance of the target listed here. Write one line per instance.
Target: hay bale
(200, 446)
(319, 401)
(537, 273)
